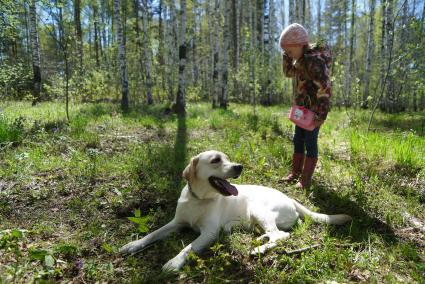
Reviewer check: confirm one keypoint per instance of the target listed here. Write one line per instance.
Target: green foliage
(15, 80)
(11, 131)
(141, 221)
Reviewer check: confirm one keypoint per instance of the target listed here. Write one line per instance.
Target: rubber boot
(307, 173)
(297, 167)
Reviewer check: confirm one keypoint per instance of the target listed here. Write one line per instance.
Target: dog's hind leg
(268, 223)
(274, 237)
(136, 246)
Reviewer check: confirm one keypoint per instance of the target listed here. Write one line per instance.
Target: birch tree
(121, 57)
(180, 98)
(216, 71)
(226, 45)
(369, 53)
(35, 46)
(147, 53)
(78, 35)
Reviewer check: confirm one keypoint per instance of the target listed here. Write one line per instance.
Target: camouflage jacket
(313, 85)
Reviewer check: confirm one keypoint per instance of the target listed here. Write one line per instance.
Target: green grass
(66, 189)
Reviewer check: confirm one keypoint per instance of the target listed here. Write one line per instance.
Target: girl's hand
(318, 123)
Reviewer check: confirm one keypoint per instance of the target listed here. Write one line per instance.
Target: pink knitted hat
(294, 35)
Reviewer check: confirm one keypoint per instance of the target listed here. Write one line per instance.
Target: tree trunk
(146, 48)
(252, 46)
(96, 32)
(402, 80)
(35, 45)
(383, 48)
(390, 29)
(180, 99)
(226, 45)
(236, 49)
(235, 33)
(351, 53)
(291, 11)
(161, 53)
(271, 43)
(172, 45)
(63, 44)
(78, 35)
(210, 59)
(369, 50)
(319, 23)
(121, 57)
(216, 70)
(195, 64)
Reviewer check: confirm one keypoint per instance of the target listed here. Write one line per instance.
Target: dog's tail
(338, 219)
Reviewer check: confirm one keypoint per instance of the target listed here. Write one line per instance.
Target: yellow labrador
(209, 203)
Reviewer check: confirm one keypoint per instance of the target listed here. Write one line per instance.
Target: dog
(209, 203)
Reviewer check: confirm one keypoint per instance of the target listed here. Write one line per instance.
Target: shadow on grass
(180, 149)
(402, 122)
(330, 202)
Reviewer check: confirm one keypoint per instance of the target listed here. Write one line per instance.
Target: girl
(309, 65)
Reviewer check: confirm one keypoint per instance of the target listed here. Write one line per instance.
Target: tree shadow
(414, 122)
(159, 175)
(363, 223)
(180, 149)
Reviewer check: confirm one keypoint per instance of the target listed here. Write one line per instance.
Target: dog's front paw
(173, 265)
(258, 250)
(132, 247)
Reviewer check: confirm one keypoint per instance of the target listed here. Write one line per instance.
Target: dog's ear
(189, 172)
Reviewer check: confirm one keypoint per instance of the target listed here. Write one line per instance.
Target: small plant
(141, 221)
(11, 132)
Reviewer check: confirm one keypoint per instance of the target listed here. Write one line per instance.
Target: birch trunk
(146, 49)
(216, 84)
(96, 33)
(383, 48)
(78, 35)
(319, 23)
(35, 46)
(291, 11)
(180, 99)
(121, 57)
(369, 50)
(226, 45)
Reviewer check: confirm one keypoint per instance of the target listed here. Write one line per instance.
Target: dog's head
(212, 168)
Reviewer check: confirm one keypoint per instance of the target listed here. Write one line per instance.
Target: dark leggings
(306, 140)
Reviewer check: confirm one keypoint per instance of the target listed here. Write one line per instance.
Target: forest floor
(66, 190)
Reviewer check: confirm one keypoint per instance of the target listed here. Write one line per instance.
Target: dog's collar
(192, 192)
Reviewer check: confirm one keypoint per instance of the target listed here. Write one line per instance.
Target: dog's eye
(216, 160)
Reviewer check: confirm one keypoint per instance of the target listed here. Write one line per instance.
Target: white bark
(35, 45)
(369, 50)
(226, 45)
(216, 72)
(121, 56)
(147, 53)
(319, 23)
(180, 99)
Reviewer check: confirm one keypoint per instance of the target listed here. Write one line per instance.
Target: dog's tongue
(224, 186)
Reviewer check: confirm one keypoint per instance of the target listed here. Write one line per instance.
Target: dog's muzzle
(237, 170)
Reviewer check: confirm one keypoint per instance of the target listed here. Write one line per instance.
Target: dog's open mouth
(223, 186)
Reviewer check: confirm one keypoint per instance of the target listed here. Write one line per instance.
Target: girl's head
(292, 40)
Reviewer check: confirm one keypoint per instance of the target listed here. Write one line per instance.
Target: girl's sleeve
(319, 71)
(287, 66)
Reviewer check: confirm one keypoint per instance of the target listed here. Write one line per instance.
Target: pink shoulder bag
(302, 117)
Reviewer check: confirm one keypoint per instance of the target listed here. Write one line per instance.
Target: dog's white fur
(204, 209)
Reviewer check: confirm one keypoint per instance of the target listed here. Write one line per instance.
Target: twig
(300, 250)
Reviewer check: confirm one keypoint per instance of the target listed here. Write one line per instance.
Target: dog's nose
(238, 168)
